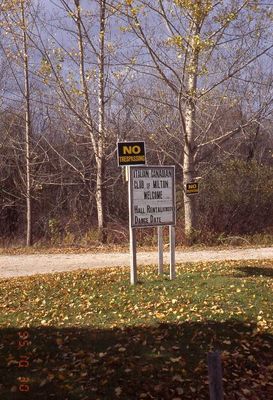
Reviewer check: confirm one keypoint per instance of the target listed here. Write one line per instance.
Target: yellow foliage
(9, 5)
(198, 9)
(199, 44)
(226, 18)
(134, 11)
(45, 68)
(176, 41)
(203, 70)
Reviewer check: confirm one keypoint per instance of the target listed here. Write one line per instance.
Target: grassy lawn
(90, 335)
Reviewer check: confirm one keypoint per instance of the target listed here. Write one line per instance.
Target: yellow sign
(192, 188)
(131, 153)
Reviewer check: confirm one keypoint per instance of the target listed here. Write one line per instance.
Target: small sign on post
(192, 188)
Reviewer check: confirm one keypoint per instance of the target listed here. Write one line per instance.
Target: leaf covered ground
(90, 335)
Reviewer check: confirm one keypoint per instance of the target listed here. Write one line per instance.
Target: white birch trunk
(100, 194)
(27, 129)
(97, 143)
(190, 117)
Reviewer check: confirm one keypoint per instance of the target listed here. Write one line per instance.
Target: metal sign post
(172, 252)
(133, 263)
(160, 249)
(132, 235)
(131, 153)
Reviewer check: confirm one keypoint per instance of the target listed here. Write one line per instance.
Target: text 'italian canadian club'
(152, 196)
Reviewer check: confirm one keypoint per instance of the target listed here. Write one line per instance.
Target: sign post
(133, 263)
(215, 376)
(172, 252)
(160, 249)
(132, 236)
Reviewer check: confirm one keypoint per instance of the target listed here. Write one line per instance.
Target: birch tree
(97, 138)
(83, 89)
(16, 26)
(27, 122)
(198, 50)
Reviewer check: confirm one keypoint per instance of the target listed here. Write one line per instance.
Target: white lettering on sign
(152, 196)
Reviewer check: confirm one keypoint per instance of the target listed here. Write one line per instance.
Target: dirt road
(23, 265)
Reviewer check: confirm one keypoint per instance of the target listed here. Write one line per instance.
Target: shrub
(236, 198)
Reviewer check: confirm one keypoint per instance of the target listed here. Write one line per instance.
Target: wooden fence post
(215, 376)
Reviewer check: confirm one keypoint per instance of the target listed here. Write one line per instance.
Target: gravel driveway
(23, 265)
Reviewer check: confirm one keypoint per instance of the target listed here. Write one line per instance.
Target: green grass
(91, 335)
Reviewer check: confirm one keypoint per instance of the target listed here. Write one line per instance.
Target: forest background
(192, 79)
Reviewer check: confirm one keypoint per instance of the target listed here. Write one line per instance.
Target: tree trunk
(100, 197)
(29, 238)
(97, 142)
(100, 194)
(189, 173)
